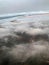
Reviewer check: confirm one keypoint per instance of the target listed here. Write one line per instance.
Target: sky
(14, 6)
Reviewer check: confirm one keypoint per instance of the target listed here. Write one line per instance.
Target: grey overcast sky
(14, 6)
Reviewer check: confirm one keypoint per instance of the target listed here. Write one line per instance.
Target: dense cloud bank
(24, 43)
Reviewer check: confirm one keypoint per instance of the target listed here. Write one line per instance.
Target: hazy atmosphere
(24, 32)
(14, 6)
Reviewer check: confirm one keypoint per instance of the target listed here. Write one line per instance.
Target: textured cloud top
(24, 43)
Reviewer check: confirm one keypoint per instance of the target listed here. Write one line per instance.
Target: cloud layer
(24, 43)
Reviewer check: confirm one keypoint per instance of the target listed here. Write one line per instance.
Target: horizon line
(11, 15)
